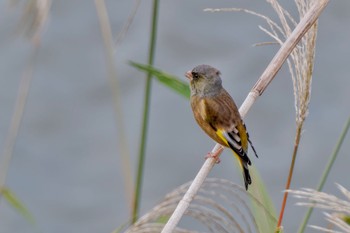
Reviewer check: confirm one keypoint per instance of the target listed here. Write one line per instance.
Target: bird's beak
(188, 75)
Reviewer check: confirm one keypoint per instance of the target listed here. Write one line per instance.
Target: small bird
(217, 114)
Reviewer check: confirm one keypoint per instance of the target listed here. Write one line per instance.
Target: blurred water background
(66, 167)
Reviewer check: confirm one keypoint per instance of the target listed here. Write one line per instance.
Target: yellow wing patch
(243, 136)
(220, 133)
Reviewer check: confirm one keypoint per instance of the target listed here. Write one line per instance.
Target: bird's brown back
(216, 112)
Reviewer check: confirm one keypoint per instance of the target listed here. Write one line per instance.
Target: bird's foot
(214, 155)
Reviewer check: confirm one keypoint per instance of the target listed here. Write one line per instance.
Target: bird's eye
(195, 75)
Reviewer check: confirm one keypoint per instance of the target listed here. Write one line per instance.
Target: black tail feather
(250, 142)
(251, 145)
(243, 155)
(246, 176)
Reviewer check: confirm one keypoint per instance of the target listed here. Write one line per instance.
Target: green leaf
(168, 80)
(11, 198)
(346, 218)
(264, 212)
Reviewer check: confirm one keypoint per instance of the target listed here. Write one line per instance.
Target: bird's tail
(245, 171)
(246, 175)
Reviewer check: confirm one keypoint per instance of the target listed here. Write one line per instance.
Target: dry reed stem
(270, 72)
(128, 23)
(115, 88)
(33, 20)
(23, 91)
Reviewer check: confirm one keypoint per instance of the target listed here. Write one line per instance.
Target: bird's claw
(213, 155)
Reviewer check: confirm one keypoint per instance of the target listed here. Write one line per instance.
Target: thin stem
(140, 167)
(290, 175)
(23, 91)
(128, 23)
(122, 144)
(326, 172)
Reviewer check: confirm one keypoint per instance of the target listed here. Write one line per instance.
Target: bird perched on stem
(217, 114)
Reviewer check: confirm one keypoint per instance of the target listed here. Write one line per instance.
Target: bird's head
(204, 80)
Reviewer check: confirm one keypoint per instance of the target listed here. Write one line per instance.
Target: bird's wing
(234, 141)
(223, 116)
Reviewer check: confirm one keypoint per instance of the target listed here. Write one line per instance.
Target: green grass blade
(146, 109)
(265, 217)
(11, 198)
(168, 80)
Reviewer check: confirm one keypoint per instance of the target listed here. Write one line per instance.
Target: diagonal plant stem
(115, 88)
(290, 175)
(142, 150)
(326, 172)
(17, 117)
(268, 75)
(128, 23)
